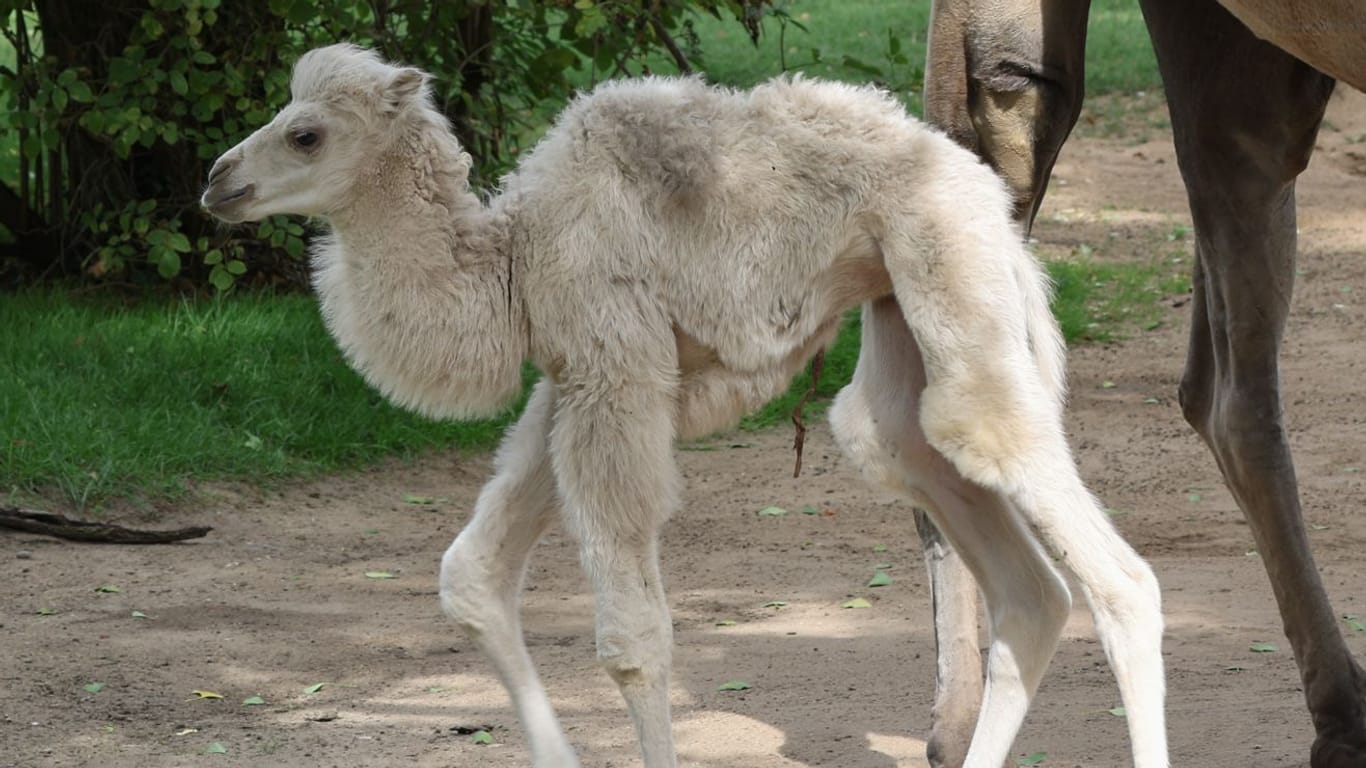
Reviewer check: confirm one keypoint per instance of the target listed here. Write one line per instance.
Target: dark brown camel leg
(1006, 83)
(1244, 117)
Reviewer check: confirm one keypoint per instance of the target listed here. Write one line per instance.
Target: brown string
(799, 439)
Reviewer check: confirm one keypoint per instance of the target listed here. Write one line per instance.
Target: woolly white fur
(669, 255)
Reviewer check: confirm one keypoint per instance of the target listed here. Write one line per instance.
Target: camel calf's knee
(469, 595)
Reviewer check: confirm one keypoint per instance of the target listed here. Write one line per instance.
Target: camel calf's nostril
(220, 168)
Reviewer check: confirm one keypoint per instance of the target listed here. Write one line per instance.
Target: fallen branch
(49, 524)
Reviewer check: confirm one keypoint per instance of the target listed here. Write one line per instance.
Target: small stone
(23, 554)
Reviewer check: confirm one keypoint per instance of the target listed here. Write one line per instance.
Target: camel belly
(714, 393)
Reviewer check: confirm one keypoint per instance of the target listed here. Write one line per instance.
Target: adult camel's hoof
(1340, 749)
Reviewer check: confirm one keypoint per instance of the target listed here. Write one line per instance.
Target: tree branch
(49, 524)
(680, 57)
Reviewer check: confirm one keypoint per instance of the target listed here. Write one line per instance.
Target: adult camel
(1247, 82)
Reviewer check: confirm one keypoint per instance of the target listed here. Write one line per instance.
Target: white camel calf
(669, 256)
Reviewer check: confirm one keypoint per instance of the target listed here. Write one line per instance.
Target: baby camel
(669, 256)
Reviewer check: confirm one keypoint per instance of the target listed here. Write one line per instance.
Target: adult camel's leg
(1244, 117)
(1004, 79)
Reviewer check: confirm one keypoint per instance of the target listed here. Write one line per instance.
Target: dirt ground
(277, 599)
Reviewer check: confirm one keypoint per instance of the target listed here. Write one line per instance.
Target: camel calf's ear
(404, 88)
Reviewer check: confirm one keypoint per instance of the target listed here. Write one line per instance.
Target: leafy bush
(119, 106)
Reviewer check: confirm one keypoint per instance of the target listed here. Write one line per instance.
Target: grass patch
(849, 40)
(103, 401)
(1098, 302)
(1119, 53)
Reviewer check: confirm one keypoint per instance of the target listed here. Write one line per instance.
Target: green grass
(1119, 55)
(101, 401)
(867, 40)
(1100, 302)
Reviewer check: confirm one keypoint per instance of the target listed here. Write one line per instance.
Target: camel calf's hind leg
(1006, 81)
(482, 572)
(988, 519)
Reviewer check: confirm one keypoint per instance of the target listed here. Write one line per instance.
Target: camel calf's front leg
(482, 572)
(613, 459)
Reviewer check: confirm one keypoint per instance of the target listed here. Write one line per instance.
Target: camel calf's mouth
(221, 203)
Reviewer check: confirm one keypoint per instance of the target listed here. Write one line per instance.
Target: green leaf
(109, 589)
(1118, 711)
(1107, 384)
(1354, 623)
(139, 615)
(1034, 758)
(206, 695)
(735, 685)
(79, 91)
(413, 498)
(857, 602)
(481, 737)
(221, 278)
(880, 579)
(152, 26)
(59, 99)
(122, 71)
(179, 243)
(1263, 647)
(216, 748)
(726, 623)
(236, 267)
(810, 510)
(776, 604)
(169, 264)
(178, 83)
(46, 611)
(253, 701)
(379, 575)
(879, 547)
(771, 512)
(314, 688)
(94, 687)
(1194, 498)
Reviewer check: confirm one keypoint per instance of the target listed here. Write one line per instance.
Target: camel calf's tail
(1045, 337)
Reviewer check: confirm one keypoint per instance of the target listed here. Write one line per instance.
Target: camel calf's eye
(305, 140)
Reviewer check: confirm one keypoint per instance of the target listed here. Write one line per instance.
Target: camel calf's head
(347, 107)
